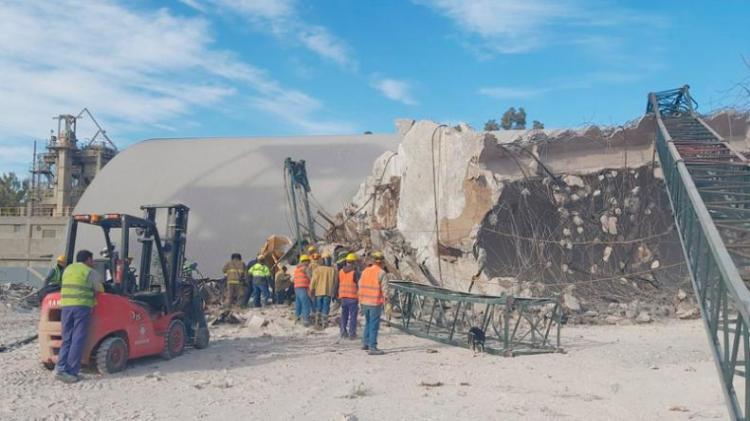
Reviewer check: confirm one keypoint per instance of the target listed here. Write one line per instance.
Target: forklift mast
(173, 241)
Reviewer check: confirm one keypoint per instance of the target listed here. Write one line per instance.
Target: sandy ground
(282, 371)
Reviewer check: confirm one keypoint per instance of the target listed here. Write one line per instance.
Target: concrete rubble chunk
(643, 317)
(403, 125)
(571, 303)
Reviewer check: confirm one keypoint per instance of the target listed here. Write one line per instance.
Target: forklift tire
(202, 337)
(112, 355)
(174, 342)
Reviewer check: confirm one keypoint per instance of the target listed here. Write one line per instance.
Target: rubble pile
(581, 214)
(13, 294)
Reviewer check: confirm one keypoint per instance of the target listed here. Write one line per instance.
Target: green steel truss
(513, 326)
(709, 189)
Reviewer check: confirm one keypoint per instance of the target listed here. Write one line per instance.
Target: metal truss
(513, 326)
(709, 189)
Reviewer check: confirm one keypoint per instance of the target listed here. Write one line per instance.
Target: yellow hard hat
(304, 258)
(351, 257)
(377, 255)
(311, 250)
(61, 258)
(260, 256)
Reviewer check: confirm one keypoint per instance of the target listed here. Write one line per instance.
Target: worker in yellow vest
(346, 291)
(261, 277)
(301, 281)
(234, 273)
(372, 297)
(79, 285)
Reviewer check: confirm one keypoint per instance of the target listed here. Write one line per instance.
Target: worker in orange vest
(347, 294)
(372, 297)
(302, 289)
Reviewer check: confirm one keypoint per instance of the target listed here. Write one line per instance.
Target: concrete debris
(17, 294)
(571, 303)
(686, 311)
(681, 295)
(257, 322)
(643, 317)
(225, 317)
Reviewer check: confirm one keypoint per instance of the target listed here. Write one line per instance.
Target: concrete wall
(29, 242)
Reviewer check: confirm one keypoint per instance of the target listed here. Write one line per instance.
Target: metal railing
(512, 325)
(709, 187)
(35, 211)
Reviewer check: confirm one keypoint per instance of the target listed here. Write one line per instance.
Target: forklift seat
(152, 300)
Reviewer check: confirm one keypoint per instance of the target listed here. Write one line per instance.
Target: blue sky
(275, 67)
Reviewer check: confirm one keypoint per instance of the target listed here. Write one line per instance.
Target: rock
(643, 317)
(655, 265)
(609, 224)
(573, 181)
(607, 253)
(687, 311)
(571, 303)
(612, 319)
(257, 322)
(681, 295)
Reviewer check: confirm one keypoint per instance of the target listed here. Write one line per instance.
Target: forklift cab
(153, 280)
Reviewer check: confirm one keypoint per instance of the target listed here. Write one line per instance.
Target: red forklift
(150, 308)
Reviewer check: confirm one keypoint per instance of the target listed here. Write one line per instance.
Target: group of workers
(315, 283)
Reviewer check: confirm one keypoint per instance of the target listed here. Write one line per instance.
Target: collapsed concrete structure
(528, 212)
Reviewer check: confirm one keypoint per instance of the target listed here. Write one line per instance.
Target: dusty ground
(658, 371)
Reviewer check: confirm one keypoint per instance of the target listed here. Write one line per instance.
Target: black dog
(476, 339)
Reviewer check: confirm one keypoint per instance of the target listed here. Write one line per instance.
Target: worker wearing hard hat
(54, 278)
(301, 281)
(346, 291)
(372, 297)
(234, 273)
(321, 290)
(261, 277)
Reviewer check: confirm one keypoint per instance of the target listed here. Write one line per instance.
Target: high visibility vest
(56, 277)
(370, 292)
(300, 278)
(259, 270)
(76, 289)
(347, 286)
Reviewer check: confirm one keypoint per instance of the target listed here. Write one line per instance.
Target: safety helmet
(377, 256)
(311, 250)
(260, 256)
(304, 258)
(351, 257)
(61, 259)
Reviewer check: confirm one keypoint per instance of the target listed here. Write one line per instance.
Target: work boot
(66, 377)
(365, 348)
(324, 321)
(375, 351)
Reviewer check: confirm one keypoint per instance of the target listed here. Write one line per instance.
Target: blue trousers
(75, 329)
(348, 317)
(260, 288)
(302, 304)
(323, 304)
(372, 324)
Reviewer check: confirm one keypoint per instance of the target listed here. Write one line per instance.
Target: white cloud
(516, 26)
(281, 18)
(397, 90)
(130, 67)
